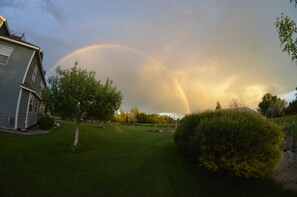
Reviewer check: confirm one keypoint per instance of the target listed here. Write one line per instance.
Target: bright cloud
(166, 56)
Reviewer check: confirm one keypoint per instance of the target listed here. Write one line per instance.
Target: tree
(121, 116)
(133, 115)
(235, 103)
(292, 107)
(107, 100)
(267, 101)
(277, 109)
(218, 107)
(76, 93)
(271, 105)
(287, 32)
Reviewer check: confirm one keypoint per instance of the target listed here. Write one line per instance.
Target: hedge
(234, 142)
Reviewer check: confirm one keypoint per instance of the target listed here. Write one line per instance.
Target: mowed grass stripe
(111, 161)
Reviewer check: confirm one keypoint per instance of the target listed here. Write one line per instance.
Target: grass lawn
(111, 161)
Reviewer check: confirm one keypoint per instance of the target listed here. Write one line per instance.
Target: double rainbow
(116, 46)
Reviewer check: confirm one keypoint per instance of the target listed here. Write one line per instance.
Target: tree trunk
(77, 122)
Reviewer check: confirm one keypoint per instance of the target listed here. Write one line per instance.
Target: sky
(168, 56)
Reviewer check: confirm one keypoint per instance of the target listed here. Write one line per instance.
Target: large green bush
(235, 142)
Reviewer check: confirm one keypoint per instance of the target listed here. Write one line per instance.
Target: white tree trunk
(77, 122)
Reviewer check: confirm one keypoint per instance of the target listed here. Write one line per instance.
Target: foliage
(76, 93)
(271, 105)
(107, 100)
(121, 117)
(289, 124)
(292, 107)
(46, 122)
(287, 31)
(235, 103)
(234, 142)
(218, 106)
(135, 116)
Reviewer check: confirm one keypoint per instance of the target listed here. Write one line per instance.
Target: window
(36, 106)
(33, 77)
(31, 103)
(5, 53)
(41, 86)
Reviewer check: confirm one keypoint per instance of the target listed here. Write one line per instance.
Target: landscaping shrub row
(234, 142)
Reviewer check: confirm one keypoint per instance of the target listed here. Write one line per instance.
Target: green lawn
(111, 161)
(289, 124)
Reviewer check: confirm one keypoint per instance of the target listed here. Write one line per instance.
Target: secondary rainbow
(123, 47)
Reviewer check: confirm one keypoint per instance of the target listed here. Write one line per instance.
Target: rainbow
(123, 47)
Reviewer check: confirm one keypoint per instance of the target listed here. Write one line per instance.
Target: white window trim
(28, 66)
(8, 56)
(27, 114)
(32, 91)
(17, 109)
(34, 73)
(31, 103)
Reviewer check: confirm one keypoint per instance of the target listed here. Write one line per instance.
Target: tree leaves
(76, 93)
(287, 31)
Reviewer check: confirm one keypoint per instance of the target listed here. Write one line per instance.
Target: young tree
(271, 105)
(133, 115)
(267, 101)
(76, 93)
(287, 32)
(121, 116)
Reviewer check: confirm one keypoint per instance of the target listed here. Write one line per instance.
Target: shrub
(234, 142)
(47, 122)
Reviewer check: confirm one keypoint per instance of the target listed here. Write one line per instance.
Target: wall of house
(32, 116)
(23, 109)
(35, 85)
(11, 76)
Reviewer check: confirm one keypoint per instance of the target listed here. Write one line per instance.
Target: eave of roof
(27, 87)
(6, 25)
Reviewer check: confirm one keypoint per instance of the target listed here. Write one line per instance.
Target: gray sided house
(21, 80)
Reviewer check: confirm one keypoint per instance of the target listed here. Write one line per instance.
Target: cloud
(12, 3)
(215, 50)
(52, 7)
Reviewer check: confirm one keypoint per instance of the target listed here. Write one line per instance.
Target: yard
(111, 161)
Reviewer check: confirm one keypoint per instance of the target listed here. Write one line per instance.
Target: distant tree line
(135, 116)
(273, 106)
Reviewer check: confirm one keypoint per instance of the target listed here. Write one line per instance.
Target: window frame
(34, 73)
(31, 105)
(36, 106)
(6, 54)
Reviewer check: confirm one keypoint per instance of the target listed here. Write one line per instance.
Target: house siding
(11, 76)
(32, 116)
(23, 109)
(35, 85)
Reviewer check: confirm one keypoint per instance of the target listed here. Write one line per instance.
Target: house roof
(3, 24)
(17, 40)
(29, 88)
